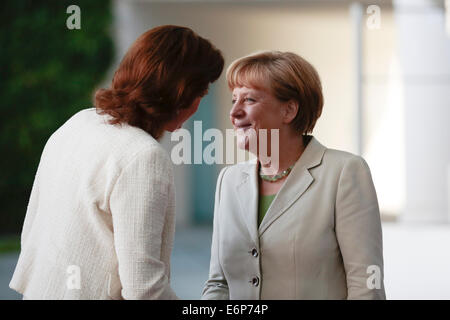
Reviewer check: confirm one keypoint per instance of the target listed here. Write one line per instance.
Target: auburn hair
(165, 70)
(288, 77)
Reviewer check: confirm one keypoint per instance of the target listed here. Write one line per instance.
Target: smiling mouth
(243, 127)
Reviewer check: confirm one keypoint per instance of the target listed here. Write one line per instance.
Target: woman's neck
(290, 149)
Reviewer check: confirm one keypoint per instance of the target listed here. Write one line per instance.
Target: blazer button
(255, 252)
(255, 281)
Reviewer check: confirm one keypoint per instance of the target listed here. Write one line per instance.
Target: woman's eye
(246, 99)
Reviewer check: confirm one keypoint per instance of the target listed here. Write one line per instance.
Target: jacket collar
(295, 185)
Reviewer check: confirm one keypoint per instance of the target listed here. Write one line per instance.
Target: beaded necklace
(275, 177)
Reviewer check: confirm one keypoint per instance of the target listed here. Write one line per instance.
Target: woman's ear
(290, 111)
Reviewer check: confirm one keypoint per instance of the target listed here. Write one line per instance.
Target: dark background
(47, 73)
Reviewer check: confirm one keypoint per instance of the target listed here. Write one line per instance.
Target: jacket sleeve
(32, 207)
(358, 231)
(216, 287)
(139, 203)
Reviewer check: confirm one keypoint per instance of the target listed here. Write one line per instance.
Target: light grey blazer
(320, 239)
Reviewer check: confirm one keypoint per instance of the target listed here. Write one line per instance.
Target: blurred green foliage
(47, 73)
(9, 243)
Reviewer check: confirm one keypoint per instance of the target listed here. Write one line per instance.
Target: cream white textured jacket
(100, 219)
(320, 238)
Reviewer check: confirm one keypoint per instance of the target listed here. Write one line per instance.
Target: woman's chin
(242, 145)
(246, 145)
(243, 142)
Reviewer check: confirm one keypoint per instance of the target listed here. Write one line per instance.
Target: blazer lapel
(296, 183)
(247, 193)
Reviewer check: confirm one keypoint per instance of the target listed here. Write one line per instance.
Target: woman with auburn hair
(100, 220)
(305, 225)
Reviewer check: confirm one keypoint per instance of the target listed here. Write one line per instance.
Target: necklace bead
(275, 177)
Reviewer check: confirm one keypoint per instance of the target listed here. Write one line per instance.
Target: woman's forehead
(244, 89)
(250, 89)
(249, 77)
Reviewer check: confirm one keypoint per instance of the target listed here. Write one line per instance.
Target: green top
(263, 205)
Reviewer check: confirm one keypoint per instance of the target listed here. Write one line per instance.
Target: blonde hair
(287, 76)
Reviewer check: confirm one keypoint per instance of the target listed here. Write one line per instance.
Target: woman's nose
(236, 111)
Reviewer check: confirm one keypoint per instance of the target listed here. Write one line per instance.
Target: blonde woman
(306, 227)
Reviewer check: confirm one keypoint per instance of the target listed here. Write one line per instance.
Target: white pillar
(424, 53)
(356, 13)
